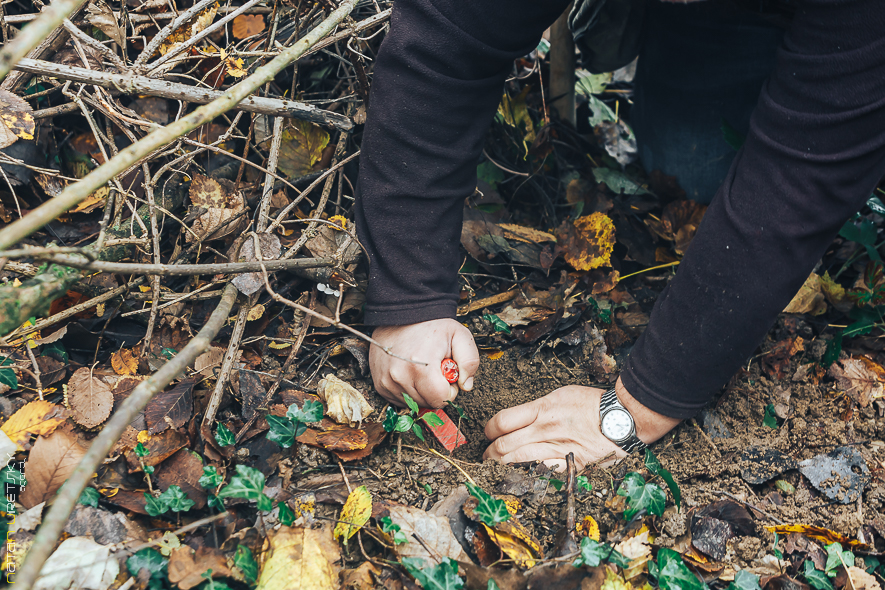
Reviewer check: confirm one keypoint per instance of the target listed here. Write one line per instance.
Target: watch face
(616, 425)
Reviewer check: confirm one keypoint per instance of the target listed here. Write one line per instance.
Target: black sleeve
(815, 151)
(437, 82)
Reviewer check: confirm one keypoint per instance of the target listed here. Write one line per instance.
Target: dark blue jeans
(700, 64)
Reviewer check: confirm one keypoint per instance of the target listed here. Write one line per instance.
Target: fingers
(511, 419)
(541, 451)
(433, 386)
(464, 353)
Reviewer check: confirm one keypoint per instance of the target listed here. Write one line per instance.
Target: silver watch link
(617, 424)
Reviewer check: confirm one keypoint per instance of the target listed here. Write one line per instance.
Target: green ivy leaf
(148, 559)
(149, 469)
(312, 411)
(673, 574)
(141, 451)
(390, 419)
(287, 517)
(593, 553)
(245, 562)
(744, 580)
(497, 323)
(443, 576)
(836, 557)
(556, 483)
(264, 503)
(248, 483)
(210, 478)
(489, 510)
(816, 578)
(55, 349)
(394, 530)
(410, 402)
(583, 483)
(834, 349)
(89, 497)
(770, 418)
(215, 502)
(7, 376)
(176, 499)
(282, 431)
(432, 420)
(155, 506)
(654, 466)
(489, 173)
(641, 496)
(223, 436)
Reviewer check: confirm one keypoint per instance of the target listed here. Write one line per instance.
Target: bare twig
(164, 33)
(54, 521)
(272, 159)
(179, 270)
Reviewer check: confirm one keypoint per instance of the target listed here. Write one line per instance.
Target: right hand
(429, 342)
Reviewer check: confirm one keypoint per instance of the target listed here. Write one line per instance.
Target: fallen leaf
(344, 403)
(124, 362)
(7, 448)
(28, 520)
(271, 248)
(247, 25)
(516, 542)
(34, 418)
(161, 447)
(186, 566)
(188, 30)
(861, 580)
(301, 147)
(172, 408)
(50, 463)
(18, 121)
(375, 435)
(809, 299)
(679, 222)
(434, 530)
(588, 528)
(588, 242)
(221, 202)
(835, 293)
(206, 362)
(862, 379)
(152, 108)
(638, 551)
(819, 534)
(100, 15)
(525, 234)
(78, 563)
(355, 514)
(89, 398)
(776, 362)
(183, 469)
(361, 577)
(300, 559)
(515, 113)
(342, 438)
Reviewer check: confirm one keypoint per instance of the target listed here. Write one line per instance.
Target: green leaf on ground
(89, 497)
(490, 174)
(497, 323)
(641, 496)
(403, 424)
(248, 483)
(281, 431)
(744, 580)
(7, 375)
(413, 405)
(148, 559)
(141, 451)
(816, 578)
(210, 478)
(490, 510)
(287, 517)
(394, 530)
(416, 430)
(593, 553)
(245, 562)
(432, 420)
(836, 557)
(770, 418)
(673, 574)
(223, 436)
(654, 466)
(442, 576)
(176, 499)
(618, 182)
(583, 483)
(155, 506)
(312, 411)
(390, 419)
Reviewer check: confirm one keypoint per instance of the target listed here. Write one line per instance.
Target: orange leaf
(247, 25)
(588, 242)
(37, 417)
(124, 362)
(819, 534)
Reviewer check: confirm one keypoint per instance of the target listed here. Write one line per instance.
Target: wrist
(650, 425)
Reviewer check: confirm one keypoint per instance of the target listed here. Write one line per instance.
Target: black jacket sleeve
(815, 151)
(438, 79)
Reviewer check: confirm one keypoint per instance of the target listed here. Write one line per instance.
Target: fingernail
(468, 385)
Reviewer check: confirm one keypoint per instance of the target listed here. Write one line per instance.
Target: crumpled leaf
(252, 282)
(516, 542)
(835, 293)
(217, 202)
(588, 528)
(301, 147)
(300, 559)
(36, 417)
(434, 530)
(89, 398)
(819, 534)
(186, 566)
(679, 222)
(862, 379)
(100, 15)
(588, 242)
(188, 30)
(18, 122)
(79, 563)
(638, 551)
(344, 403)
(356, 512)
(614, 582)
(810, 298)
(861, 580)
(124, 362)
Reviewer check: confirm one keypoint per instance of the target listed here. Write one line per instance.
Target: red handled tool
(447, 434)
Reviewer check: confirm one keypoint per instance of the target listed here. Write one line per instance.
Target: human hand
(428, 342)
(566, 421)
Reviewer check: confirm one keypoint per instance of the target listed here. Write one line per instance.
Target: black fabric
(815, 151)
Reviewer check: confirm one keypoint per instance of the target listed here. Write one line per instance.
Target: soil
(708, 469)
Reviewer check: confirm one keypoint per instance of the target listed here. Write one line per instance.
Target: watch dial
(617, 425)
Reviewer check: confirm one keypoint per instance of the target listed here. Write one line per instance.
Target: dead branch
(179, 270)
(132, 84)
(54, 522)
(132, 155)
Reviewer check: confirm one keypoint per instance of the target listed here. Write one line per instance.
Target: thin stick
(449, 461)
(272, 160)
(36, 32)
(54, 521)
(633, 274)
(164, 33)
(183, 270)
(72, 195)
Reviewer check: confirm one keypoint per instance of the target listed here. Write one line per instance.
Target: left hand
(566, 421)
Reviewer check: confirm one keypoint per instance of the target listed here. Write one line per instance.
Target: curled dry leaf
(344, 403)
(862, 379)
(89, 399)
(434, 530)
(221, 202)
(79, 563)
(810, 298)
(300, 559)
(588, 242)
(183, 33)
(100, 15)
(18, 122)
(124, 362)
(271, 248)
(37, 417)
(50, 463)
(171, 408)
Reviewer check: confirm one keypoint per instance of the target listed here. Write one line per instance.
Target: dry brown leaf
(862, 379)
(124, 362)
(819, 534)
(300, 559)
(171, 408)
(809, 299)
(344, 403)
(525, 234)
(160, 447)
(343, 438)
(638, 551)
(271, 248)
(361, 577)
(207, 361)
(861, 580)
(679, 223)
(37, 417)
(17, 117)
(186, 566)
(588, 242)
(375, 434)
(50, 463)
(185, 32)
(247, 25)
(89, 399)
(301, 147)
(221, 201)
(100, 15)
(434, 530)
(515, 541)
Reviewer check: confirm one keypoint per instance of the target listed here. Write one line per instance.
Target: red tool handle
(450, 370)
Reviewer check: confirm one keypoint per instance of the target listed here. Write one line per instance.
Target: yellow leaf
(99, 310)
(143, 436)
(93, 201)
(37, 417)
(493, 356)
(638, 551)
(124, 362)
(16, 282)
(18, 122)
(235, 67)
(340, 222)
(819, 534)
(355, 514)
(300, 559)
(525, 234)
(588, 242)
(516, 114)
(168, 543)
(144, 288)
(183, 33)
(588, 528)
(255, 313)
(615, 582)
(301, 147)
(835, 293)
(516, 542)
(809, 299)
(279, 345)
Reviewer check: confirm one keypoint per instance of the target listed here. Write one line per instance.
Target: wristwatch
(617, 424)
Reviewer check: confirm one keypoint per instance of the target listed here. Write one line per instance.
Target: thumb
(464, 353)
